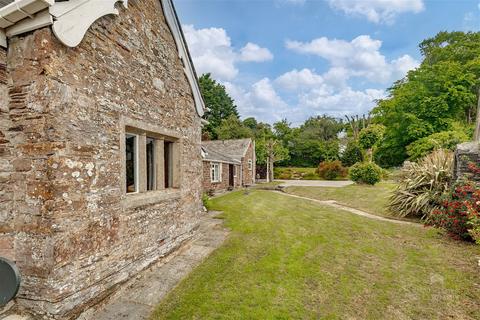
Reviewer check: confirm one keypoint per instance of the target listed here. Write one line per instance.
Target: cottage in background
(100, 139)
(228, 164)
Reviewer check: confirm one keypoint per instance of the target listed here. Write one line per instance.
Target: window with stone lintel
(151, 161)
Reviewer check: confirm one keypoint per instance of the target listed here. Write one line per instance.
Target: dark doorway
(231, 175)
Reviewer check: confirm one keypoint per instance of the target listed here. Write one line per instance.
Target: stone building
(466, 154)
(100, 140)
(228, 164)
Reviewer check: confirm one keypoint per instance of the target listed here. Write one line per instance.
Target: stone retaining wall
(465, 154)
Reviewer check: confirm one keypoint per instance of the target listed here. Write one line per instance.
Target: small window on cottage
(131, 157)
(215, 172)
(250, 164)
(151, 161)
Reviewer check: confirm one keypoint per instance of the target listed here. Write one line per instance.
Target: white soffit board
(174, 25)
(21, 9)
(74, 18)
(40, 20)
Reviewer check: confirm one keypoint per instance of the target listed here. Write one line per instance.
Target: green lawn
(290, 258)
(372, 199)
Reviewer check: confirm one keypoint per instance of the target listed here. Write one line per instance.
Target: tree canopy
(435, 97)
(220, 105)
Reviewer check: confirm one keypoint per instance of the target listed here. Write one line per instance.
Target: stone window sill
(133, 200)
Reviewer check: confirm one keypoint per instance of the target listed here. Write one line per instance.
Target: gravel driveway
(314, 183)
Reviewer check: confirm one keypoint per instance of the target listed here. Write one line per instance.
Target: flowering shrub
(331, 170)
(459, 213)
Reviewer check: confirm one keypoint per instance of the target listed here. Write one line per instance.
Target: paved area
(138, 300)
(337, 205)
(314, 183)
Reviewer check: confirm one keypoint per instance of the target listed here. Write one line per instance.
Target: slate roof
(231, 151)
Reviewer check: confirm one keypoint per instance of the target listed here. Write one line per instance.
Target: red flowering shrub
(457, 208)
(459, 213)
(331, 170)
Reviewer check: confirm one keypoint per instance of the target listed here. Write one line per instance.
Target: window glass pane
(168, 158)
(215, 172)
(150, 164)
(131, 162)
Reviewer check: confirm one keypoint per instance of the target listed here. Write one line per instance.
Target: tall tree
(232, 128)
(314, 141)
(283, 131)
(435, 97)
(370, 137)
(220, 105)
(321, 127)
(269, 149)
(356, 124)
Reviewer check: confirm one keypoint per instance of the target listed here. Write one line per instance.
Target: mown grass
(290, 258)
(372, 199)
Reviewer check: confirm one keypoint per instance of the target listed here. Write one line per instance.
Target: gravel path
(314, 183)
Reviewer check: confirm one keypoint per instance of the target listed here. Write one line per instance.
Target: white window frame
(135, 161)
(250, 164)
(216, 167)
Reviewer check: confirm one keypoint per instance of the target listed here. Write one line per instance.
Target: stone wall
(465, 154)
(209, 186)
(249, 175)
(6, 187)
(75, 234)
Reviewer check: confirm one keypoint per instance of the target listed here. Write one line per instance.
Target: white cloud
(263, 101)
(254, 53)
(337, 77)
(260, 100)
(303, 79)
(298, 93)
(360, 57)
(263, 92)
(402, 65)
(212, 51)
(378, 11)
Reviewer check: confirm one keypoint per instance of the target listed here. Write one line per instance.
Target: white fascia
(22, 16)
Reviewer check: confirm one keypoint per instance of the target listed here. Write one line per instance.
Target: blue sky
(298, 58)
